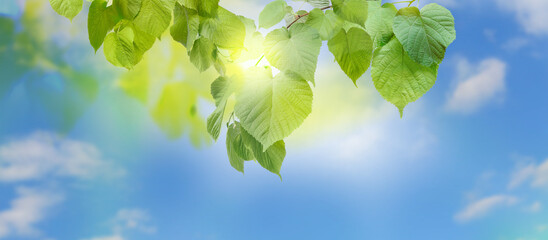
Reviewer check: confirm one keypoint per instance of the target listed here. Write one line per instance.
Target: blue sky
(468, 161)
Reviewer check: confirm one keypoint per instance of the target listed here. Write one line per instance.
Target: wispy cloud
(128, 221)
(531, 14)
(482, 207)
(515, 44)
(536, 175)
(526, 172)
(27, 209)
(133, 219)
(43, 154)
(534, 207)
(477, 86)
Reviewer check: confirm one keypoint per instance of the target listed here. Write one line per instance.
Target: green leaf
(425, 34)
(352, 50)
(219, 62)
(272, 158)
(155, 16)
(373, 6)
(141, 43)
(128, 8)
(201, 54)
(253, 43)
(398, 78)
(118, 48)
(126, 46)
(185, 26)
(316, 3)
(296, 49)
(221, 89)
(351, 10)
(271, 109)
(101, 19)
(379, 24)
(236, 149)
(272, 14)
(67, 8)
(205, 8)
(327, 24)
(226, 30)
(291, 17)
(240, 147)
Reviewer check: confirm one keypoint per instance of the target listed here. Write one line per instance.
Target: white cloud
(28, 208)
(113, 237)
(477, 86)
(44, 154)
(535, 207)
(537, 175)
(133, 219)
(126, 221)
(515, 44)
(482, 207)
(531, 14)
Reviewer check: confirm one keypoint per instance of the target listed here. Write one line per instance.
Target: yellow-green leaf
(66, 8)
(352, 50)
(398, 78)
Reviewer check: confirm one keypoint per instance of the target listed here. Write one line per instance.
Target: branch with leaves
(403, 47)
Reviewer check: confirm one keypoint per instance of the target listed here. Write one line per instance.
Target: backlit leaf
(185, 25)
(118, 48)
(352, 50)
(296, 49)
(154, 16)
(328, 24)
(272, 14)
(271, 158)
(226, 30)
(236, 149)
(398, 78)
(201, 54)
(128, 8)
(66, 8)
(221, 89)
(425, 34)
(379, 24)
(205, 8)
(316, 3)
(351, 10)
(271, 109)
(101, 19)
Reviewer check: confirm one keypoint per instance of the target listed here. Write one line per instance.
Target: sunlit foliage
(402, 47)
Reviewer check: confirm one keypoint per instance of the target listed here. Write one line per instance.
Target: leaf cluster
(403, 47)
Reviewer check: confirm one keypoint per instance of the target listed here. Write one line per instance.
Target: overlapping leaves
(425, 34)
(405, 47)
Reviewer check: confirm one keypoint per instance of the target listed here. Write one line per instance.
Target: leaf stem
(410, 2)
(306, 14)
(259, 60)
(401, 2)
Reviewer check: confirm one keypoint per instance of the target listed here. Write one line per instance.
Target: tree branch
(306, 14)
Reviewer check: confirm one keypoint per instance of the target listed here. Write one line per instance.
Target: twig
(306, 14)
